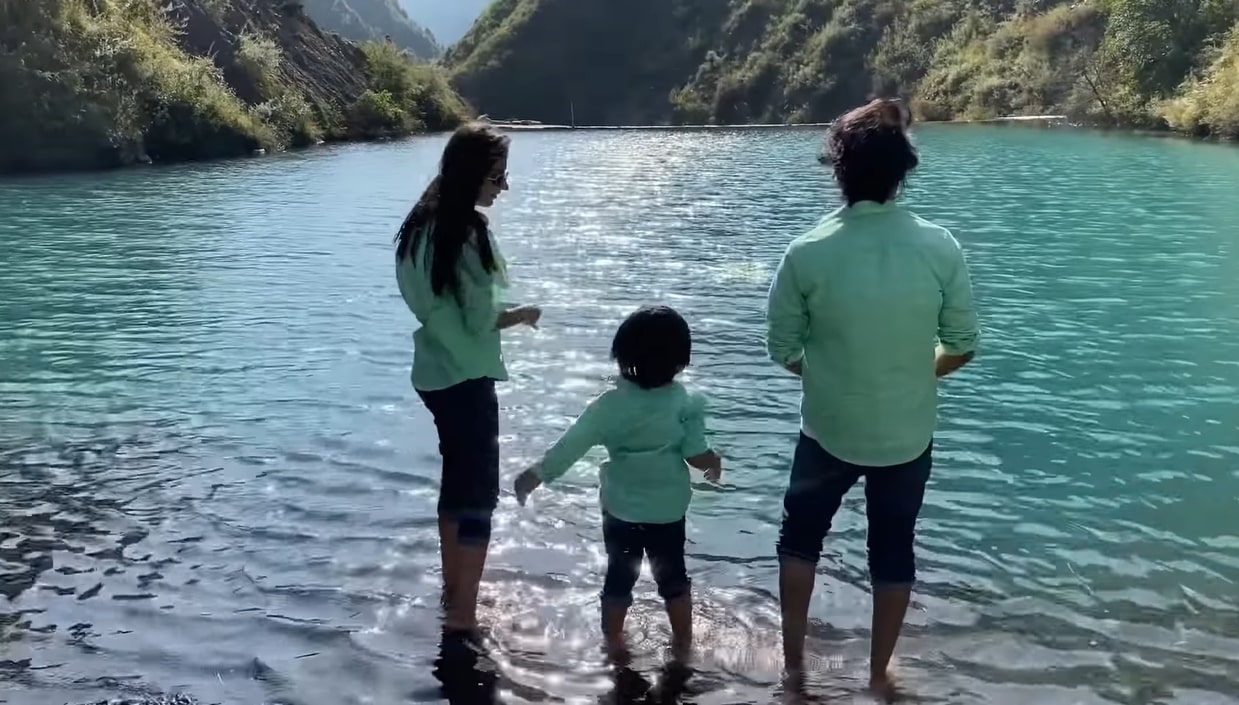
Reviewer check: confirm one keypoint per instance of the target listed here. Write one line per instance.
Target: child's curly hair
(652, 346)
(870, 151)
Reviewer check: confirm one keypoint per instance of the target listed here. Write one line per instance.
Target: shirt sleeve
(479, 302)
(958, 330)
(695, 442)
(583, 435)
(476, 310)
(787, 316)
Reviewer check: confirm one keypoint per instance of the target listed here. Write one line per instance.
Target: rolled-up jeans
(467, 418)
(893, 498)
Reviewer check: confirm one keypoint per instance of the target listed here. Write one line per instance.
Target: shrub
(421, 91)
(1208, 104)
(194, 115)
(261, 57)
(291, 118)
(377, 114)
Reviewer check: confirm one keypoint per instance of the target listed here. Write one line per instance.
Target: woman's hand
(526, 483)
(529, 315)
(521, 315)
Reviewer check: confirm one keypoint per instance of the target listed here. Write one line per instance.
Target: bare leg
(796, 578)
(462, 610)
(623, 541)
(614, 615)
(448, 555)
(890, 605)
(680, 614)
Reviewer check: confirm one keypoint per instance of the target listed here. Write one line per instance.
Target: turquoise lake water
(215, 478)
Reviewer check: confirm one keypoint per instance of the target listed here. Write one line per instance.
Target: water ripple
(214, 477)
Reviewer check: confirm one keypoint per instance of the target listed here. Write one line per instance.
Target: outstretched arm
(571, 447)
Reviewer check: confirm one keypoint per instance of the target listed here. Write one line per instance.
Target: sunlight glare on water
(216, 479)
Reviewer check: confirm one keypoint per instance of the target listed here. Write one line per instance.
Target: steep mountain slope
(447, 19)
(367, 20)
(1141, 62)
(102, 83)
(614, 63)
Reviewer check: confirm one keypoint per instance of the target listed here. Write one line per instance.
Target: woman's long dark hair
(447, 211)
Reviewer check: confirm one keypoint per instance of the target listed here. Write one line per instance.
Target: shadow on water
(466, 674)
(670, 686)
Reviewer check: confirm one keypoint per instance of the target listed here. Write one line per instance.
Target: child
(651, 426)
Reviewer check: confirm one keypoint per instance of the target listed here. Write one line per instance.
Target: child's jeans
(627, 543)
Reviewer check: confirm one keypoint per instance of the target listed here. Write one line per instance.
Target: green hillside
(1149, 63)
(102, 83)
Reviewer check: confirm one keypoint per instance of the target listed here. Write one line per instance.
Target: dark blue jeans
(893, 498)
(628, 543)
(467, 418)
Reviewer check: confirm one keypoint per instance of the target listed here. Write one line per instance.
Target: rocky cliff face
(101, 83)
(325, 69)
(374, 20)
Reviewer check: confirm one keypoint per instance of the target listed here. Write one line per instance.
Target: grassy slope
(102, 83)
(1127, 62)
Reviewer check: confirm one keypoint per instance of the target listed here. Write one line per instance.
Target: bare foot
(793, 688)
(882, 685)
(617, 652)
(459, 621)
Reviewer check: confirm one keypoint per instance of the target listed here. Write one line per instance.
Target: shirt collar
(867, 207)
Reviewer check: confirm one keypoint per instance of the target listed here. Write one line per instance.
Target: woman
(451, 274)
(854, 311)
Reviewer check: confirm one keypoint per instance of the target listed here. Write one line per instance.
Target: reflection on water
(465, 673)
(215, 480)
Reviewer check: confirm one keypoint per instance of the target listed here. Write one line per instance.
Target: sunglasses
(498, 179)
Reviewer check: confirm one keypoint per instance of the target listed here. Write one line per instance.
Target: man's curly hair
(870, 151)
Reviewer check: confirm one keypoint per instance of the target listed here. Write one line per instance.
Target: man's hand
(710, 462)
(526, 483)
(945, 364)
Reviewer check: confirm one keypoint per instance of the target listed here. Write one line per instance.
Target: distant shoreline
(531, 126)
(1055, 121)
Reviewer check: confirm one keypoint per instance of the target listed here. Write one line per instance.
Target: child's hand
(715, 474)
(526, 483)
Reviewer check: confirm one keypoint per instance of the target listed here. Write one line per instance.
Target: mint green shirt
(648, 434)
(862, 301)
(457, 340)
